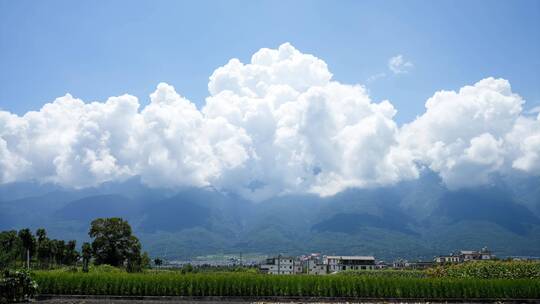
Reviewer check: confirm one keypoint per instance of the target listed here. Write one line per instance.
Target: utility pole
(279, 264)
(28, 259)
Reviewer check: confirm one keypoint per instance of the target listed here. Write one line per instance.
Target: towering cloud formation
(307, 133)
(467, 135)
(277, 124)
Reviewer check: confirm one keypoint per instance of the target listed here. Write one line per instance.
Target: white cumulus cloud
(277, 124)
(308, 133)
(468, 135)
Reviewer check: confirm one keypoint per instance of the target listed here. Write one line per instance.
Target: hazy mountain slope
(352, 223)
(174, 214)
(414, 219)
(487, 205)
(526, 192)
(34, 209)
(108, 205)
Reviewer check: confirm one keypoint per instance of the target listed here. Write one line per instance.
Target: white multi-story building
(342, 263)
(282, 265)
(446, 259)
(313, 264)
(482, 255)
(465, 256)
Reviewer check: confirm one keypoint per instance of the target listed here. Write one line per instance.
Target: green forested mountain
(415, 219)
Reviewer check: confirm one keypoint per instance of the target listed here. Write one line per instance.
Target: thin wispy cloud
(375, 77)
(398, 65)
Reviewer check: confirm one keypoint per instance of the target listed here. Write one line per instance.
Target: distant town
(321, 264)
(318, 264)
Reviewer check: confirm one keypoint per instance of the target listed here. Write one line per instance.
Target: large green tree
(134, 258)
(113, 242)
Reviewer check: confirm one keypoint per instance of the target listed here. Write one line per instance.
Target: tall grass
(253, 285)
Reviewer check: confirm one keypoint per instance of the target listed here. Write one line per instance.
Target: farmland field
(257, 286)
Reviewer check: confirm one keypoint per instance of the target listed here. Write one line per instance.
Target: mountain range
(414, 219)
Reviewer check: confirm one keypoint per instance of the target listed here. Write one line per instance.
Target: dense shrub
(242, 284)
(488, 270)
(225, 269)
(16, 286)
(104, 268)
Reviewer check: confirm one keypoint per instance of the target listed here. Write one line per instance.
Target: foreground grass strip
(251, 285)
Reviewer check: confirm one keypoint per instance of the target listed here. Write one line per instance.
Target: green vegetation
(113, 244)
(218, 269)
(16, 286)
(10, 248)
(114, 264)
(489, 270)
(22, 248)
(86, 256)
(387, 273)
(440, 283)
(253, 285)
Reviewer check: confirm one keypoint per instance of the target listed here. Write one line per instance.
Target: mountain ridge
(415, 219)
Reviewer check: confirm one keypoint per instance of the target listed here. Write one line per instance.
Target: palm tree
(44, 252)
(158, 262)
(71, 254)
(28, 243)
(41, 234)
(86, 255)
(43, 247)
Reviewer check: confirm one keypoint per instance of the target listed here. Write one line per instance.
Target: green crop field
(489, 270)
(256, 285)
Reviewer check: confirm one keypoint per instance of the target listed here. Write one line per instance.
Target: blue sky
(97, 49)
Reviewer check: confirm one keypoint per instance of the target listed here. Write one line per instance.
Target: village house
(420, 265)
(343, 263)
(318, 269)
(483, 254)
(465, 256)
(447, 259)
(382, 265)
(404, 264)
(282, 265)
(399, 264)
(313, 264)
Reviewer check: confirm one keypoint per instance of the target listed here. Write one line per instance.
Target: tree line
(113, 243)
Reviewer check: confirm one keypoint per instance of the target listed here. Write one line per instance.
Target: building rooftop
(283, 257)
(350, 257)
